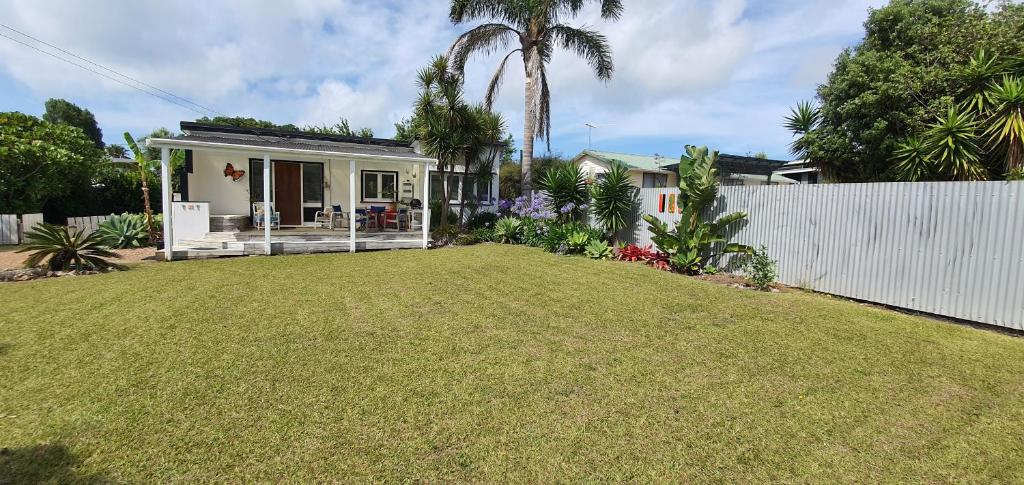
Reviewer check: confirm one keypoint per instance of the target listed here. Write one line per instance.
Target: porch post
(426, 205)
(268, 212)
(352, 206)
(166, 202)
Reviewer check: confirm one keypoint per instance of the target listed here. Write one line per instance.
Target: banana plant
(692, 241)
(148, 168)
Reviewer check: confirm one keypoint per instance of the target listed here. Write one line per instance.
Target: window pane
(312, 183)
(389, 187)
(371, 186)
(662, 181)
(454, 191)
(255, 181)
(648, 181)
(435, 187)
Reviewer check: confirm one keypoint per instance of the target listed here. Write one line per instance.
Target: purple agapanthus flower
(567, 208)
(533, 207)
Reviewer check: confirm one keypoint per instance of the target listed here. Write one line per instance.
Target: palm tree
(488, 129)
(147, 167)
(1005, 130)
(444, 122)
(534, 28)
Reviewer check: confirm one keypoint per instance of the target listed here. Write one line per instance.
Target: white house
(657, 172)
(328, 192)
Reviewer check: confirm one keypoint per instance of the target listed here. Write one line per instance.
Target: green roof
(641, 162)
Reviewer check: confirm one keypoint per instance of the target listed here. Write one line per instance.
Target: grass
(483, 364)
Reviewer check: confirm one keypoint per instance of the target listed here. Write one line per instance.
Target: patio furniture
(364, 218)
(396, 218)
(377, 212)
(258, 216)
(415, 214)
(324, 219)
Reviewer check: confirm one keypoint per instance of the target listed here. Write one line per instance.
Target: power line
(170, 98)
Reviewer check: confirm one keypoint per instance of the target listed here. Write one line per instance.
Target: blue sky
(721, 73)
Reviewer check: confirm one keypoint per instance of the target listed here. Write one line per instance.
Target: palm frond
(588, 44)
(544, 109)
(912, 162)
(486, 38)
(1005, 132)
(495, 85)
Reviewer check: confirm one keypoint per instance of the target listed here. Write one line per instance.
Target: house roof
(740, 164)
(215, 137)
(636, 162)
(726, 163)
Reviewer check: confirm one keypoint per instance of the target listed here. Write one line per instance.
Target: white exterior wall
(207, 182)
(591, 167)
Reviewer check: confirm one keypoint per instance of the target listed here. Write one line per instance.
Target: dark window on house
(255, 180)
(655, 180)
(380, 186)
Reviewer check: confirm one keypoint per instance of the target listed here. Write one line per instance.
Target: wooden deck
(303, 240)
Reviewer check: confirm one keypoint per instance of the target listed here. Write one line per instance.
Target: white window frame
(380, 185)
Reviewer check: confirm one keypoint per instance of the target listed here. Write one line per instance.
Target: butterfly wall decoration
(229, 171)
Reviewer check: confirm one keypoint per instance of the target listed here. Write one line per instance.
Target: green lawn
(488, 363)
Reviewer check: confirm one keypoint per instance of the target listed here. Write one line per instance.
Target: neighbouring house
(328, 192)
(655, 171)
(800, 171)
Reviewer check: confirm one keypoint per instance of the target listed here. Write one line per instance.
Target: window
(312, 183)
(482, 192)
(255, 181)
(380, 186)
(655, 180)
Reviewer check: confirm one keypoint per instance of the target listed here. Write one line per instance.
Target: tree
(40, 161)
(64, 112)
(918, 57)
(242, 122)
(536, 30)
(116, 151)
(446, 123)
(147, 167)
(341, 128)
(486, 129)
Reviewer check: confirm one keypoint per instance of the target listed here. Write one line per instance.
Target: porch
(231, 175)
(288, 240)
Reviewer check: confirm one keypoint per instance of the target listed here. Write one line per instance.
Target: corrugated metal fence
(953, 249)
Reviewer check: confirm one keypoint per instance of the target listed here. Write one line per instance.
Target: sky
(721, 73)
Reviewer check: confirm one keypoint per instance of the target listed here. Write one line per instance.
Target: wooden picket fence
(90, 223)
(12, 231)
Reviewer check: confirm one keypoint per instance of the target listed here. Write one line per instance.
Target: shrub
(435, 218)
(446, 236)
(63, 251)
(692, 241)
(614, 198)
(567, 191)
(508, 230)
(633, 253)
(598, 249)
(481, 220)
(484, 234)
(534, 231)
(125, 231)
(761, 269)
(467, 239)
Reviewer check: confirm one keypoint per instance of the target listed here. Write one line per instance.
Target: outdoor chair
(364, 218)
(377, 213)
(396, 219)
(258, 216)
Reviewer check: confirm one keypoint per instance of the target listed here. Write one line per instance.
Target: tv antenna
(590, 132)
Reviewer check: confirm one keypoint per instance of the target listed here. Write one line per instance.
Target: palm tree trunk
(462, 191)
(531, 60)
(148, 208)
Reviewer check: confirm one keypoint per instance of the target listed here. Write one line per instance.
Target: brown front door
(288, 192)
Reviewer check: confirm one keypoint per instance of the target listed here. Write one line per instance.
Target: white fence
(947, 248)
(89, 223)
(9, 233)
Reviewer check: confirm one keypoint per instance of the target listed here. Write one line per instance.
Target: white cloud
(685, 70)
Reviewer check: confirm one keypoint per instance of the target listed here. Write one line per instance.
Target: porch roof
(277, 145)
